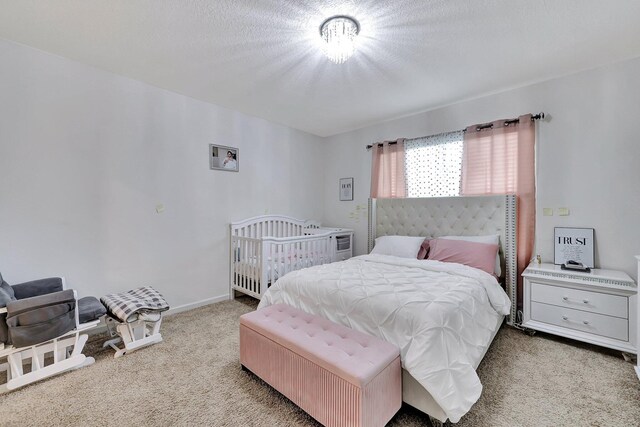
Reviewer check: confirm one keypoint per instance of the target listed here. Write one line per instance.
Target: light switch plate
(563, 211)
(547, 211)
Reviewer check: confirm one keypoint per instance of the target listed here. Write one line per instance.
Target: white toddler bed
(267, 247)
(442, 316)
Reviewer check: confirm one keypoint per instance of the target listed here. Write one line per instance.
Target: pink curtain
(387, 170)
(501, 160)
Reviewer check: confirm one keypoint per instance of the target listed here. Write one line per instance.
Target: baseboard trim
(196, 304)
(100, 329)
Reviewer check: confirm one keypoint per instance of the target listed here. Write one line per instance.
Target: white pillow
(492, 239)
(400, 246)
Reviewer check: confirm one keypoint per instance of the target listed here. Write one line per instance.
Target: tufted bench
(339, 376)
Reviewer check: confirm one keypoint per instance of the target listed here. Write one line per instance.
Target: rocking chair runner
(39, 320)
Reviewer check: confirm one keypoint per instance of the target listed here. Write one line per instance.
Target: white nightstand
(599, 307)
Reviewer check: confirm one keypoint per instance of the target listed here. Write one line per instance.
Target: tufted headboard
(452, 216)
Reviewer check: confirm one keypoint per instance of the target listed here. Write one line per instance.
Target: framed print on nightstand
(575, 244)
(346, 189)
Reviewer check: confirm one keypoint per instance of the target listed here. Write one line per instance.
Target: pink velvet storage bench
(339, 376)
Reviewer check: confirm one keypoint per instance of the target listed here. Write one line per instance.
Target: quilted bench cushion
(351, 355)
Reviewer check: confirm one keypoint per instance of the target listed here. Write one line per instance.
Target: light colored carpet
(193, 378)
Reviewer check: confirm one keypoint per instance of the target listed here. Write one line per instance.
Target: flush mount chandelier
(339, 34)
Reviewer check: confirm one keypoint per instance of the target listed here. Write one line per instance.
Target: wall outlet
(159, 208)
(563, 211)
(547, 211)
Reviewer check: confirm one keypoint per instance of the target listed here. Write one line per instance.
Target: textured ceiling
(261, 57)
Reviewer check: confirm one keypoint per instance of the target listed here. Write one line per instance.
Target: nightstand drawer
(597, 324)
(595, 302)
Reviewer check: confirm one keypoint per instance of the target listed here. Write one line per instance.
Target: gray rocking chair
(41, 319)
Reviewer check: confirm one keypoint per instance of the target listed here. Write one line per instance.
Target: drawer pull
(566, 299)
(565, 318)
(586, 322)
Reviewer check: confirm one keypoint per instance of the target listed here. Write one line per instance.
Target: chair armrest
(38, 287)
(35, 320)
(40, 301)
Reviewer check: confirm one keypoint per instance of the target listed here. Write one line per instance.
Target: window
(434, 165)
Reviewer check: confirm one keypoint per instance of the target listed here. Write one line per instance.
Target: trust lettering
(572, 240)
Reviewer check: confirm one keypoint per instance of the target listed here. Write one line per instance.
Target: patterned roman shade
(434, 165)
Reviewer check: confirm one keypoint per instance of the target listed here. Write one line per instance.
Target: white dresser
(599, 307)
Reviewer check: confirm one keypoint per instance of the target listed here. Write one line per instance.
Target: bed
(444, 329)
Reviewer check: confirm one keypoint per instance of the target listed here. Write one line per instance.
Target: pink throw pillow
(424, 249)
(473, 254)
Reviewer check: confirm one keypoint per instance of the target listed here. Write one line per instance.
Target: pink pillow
(473, 254)
(424, 249)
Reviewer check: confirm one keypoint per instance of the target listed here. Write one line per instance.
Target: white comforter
(440, 315)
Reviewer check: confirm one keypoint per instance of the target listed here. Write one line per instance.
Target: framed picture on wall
(346, 189)
(224, 158)
(574, 244)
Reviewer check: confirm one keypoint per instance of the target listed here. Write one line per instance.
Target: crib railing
(246, 262)
(270, 225)
(256, 263)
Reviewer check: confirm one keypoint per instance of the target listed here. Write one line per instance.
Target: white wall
(86, 155)
(588, 157)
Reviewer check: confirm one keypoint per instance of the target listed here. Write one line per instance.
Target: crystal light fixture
(339, 34)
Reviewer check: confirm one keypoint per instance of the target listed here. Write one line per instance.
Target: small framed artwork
(224, 158)
(346, 189)
(574, 244)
